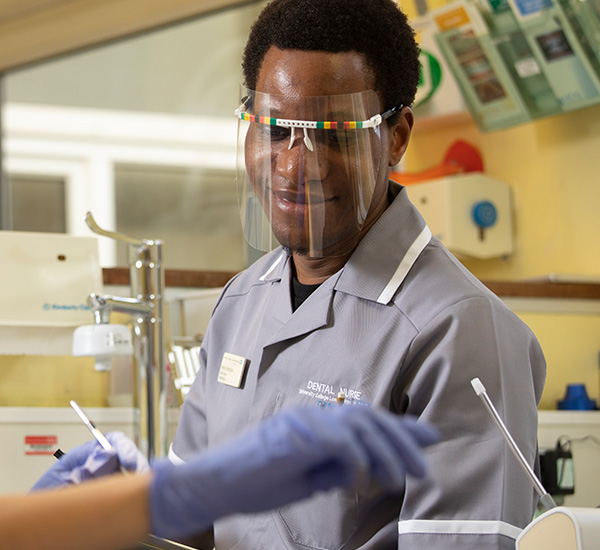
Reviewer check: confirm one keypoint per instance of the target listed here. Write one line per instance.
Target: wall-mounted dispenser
(470, 213)
(43, 283)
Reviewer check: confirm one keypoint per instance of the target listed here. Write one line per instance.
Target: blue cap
(576, 399)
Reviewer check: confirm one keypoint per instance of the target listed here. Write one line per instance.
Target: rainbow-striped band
(323, 125)
(373, 122)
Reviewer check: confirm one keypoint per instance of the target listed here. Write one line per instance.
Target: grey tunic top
(403, 326)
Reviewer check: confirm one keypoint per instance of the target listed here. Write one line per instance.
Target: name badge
(232, 369)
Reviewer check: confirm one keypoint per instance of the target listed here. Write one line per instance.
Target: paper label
(453, 18)
(527, 67)
(40, 444)
(232, 370)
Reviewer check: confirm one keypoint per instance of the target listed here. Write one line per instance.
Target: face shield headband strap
(373, 122)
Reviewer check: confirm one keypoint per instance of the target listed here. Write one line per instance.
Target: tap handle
(89, 219)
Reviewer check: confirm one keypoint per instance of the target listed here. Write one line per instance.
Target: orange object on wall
(460, 157)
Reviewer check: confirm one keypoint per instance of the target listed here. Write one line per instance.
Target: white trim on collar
(407, 262)
(457, 527)
(273, 266)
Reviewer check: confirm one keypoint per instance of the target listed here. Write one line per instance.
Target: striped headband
(373, 122)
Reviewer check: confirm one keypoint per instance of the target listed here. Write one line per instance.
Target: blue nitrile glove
(286, 458)
(91, 460)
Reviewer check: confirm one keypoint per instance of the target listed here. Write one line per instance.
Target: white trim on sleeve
(173, 458)
(458, 527)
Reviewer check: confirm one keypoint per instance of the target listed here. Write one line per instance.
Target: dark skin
(298, 74)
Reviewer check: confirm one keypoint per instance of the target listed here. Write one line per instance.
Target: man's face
(317, 195)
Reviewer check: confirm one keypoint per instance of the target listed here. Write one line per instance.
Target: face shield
(308, 169)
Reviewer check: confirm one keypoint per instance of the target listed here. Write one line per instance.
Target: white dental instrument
(545, 497)
(100, 437)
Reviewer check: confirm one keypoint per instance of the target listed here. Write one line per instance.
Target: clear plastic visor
(307, 169)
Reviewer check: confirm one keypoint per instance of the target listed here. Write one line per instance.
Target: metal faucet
(145, 305)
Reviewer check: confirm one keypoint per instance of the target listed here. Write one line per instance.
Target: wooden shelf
(173, 277)
(544, 289)
(525, 289)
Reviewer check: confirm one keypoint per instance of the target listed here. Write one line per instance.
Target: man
(360, 301)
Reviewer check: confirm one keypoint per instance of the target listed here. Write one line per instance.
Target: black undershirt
(300, 292)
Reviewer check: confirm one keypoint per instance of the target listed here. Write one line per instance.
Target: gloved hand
(286, 458)
(91, 460)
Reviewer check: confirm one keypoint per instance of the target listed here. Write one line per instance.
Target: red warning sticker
(40, 444)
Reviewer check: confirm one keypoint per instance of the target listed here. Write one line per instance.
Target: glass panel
(173, 70)
(145, 130)
(195, 214)
(38, 203)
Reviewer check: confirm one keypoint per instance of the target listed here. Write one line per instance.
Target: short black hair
(376, 28)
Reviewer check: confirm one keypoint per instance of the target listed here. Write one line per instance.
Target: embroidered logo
(329, 394)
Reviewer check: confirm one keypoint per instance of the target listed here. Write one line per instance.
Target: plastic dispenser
(470, 213)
